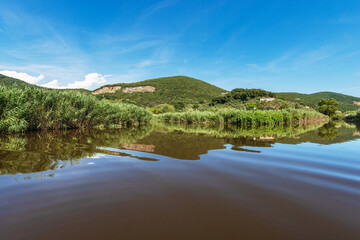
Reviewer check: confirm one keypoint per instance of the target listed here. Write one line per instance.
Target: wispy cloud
(43, 48)
(155, 8)
(161, 56)
(271, 66)
(130, 47)
(314, 56)
(10, 18)
(295, 60)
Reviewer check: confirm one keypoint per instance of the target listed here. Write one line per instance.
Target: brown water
(176, 182)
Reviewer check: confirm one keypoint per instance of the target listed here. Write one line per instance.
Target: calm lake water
(181, 182)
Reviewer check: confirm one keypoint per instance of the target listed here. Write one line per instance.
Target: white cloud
(91, 79)
(22, 76)
(52, 84)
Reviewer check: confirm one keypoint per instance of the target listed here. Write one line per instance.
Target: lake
(181, 182)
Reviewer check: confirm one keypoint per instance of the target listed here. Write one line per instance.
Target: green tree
(328, 106)
(241, 94)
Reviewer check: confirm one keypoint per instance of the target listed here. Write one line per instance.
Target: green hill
(345, 101)
(167, 90)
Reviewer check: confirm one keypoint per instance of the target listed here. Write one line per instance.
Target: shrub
(353, 118)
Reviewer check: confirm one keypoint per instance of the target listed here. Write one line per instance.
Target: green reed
(246, 118)
(41, 109)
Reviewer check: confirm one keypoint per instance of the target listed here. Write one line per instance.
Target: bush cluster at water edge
(353, 118)
(246, 118)
(41, 109)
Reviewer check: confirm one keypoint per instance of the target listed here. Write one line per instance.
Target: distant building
(266, 99)
(356, 103)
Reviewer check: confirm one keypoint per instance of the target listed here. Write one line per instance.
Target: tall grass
(40, 109)
(246, 118)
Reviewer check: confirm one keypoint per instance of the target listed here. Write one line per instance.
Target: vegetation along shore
(177, 99)
(247, 118)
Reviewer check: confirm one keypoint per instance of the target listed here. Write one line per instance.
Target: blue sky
(303, 46)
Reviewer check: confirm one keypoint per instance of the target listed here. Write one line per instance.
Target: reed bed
(246, 118)
(41, 109)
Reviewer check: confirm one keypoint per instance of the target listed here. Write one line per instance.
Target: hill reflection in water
(42, 151)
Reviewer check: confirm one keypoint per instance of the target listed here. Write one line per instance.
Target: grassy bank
(246, 118)
(41, 109)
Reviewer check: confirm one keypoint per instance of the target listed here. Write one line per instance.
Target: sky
(302, 46)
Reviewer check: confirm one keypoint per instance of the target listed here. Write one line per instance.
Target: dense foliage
(241, 94)
(311, 100)
(41, 109)
(246, 118)
(353, 118)
(177, 91)
(328, 106)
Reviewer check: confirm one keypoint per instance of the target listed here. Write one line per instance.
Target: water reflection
(95, 183)
(329, 131)
(41, 151)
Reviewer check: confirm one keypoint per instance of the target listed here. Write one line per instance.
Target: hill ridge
(166, 90)
(346, 102)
